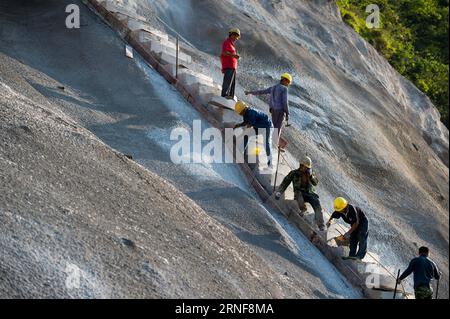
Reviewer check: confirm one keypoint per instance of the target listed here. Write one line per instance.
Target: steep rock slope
(69, 204)
(133, 110)
(374, 137)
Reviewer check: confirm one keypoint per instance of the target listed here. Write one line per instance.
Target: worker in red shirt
(229, 59)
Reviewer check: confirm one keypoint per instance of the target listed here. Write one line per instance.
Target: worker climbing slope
(304, 180)
(279, 102)
(260, 122)
(229, 59)
(424, 270)
(359, 230)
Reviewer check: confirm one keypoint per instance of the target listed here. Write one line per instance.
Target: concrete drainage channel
(164, 55)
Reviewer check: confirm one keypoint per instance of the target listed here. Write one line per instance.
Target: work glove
(347, 236)
(277, 195)
(328, 224)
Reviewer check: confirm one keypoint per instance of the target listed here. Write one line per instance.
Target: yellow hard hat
(240, 107)
(307, 162)
(235, 30)
(287, 76)
(340, 204)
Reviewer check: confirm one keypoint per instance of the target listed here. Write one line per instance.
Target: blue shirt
(424, 270)
(257, 119)
(278, 97)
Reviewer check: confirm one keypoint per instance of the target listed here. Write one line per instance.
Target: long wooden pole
(396, 284)
(276, 172)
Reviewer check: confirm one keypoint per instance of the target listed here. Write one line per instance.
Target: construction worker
(424, 270)
(229, 59)
(359, 230)
(304, 180)
(279, 101)
(260, 122)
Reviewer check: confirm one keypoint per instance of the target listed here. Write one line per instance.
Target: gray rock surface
(374, 137)
(71, 207)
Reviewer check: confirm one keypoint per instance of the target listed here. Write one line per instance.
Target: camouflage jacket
(295, 177)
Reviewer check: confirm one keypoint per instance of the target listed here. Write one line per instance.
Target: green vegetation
(413, 36)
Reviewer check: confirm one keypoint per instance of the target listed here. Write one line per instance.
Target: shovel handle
(396, 284)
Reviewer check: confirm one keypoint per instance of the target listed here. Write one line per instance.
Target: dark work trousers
(229, 82)
(423, 292)
(313, 200)
(277, 120)
(359, 237)
(267, 142)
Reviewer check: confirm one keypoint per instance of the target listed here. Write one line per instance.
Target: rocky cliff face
(80, 220)
(374, 137)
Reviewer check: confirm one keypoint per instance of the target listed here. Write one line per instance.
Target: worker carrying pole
(260, 122)
(279, 102)
(359, 230)
(304, 180)
(229, 59)
(424, 270)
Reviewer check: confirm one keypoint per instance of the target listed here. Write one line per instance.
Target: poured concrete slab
(203, 92)
(191, 77)
(122, 17)
(167, 58)
(162, 45)
(171, 68)
(227, 117)
(134, 25)
(150, 34)
(223, 102)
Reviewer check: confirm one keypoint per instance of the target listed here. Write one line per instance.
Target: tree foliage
(413, 36)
